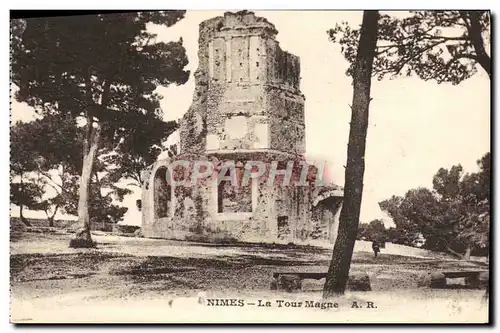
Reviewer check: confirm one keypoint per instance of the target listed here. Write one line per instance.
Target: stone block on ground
(127, 229)
(274, 284)
(359, 282)
(484, 279)
(480, 281)
(138, 233)
(289, 282)
(437, 280)
(424, 280)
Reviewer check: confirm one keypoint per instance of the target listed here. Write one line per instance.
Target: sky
(415, 127)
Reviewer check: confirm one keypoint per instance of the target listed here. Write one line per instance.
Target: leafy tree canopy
(453, 216)
(105, 66)
(445, 46)
(104, 70)
(46, 153)
(373, 231)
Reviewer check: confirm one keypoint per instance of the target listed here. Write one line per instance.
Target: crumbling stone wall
(325, 218)
(234, 199)
(196, 208)
(247, 105)
(247, 93)
(287, 122)
(193, 123)
(162, 194)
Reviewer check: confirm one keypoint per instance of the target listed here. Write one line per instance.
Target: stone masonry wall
(247, 105)
(193, 123)
(196, 214)
(246, 88)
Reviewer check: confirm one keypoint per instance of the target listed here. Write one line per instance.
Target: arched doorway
(162, 193)
(325, 215)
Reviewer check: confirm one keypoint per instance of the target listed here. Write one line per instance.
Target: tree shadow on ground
(166, 264)
(223, 272)
(267, 246)
(37, 266)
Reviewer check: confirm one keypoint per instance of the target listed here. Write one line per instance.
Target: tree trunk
(338, 272)
(21, 206)
(21, 216)
(50, 218)
(466, 255)
(450, 250)
(476, 37)
(83, 238)
(51, 221)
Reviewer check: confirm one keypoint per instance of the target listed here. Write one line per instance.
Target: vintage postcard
(250, 167)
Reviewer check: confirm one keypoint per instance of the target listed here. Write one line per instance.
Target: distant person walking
(375, 248)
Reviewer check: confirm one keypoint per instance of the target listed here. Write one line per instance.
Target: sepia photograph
(250, 166)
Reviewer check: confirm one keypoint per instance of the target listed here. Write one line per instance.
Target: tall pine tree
(102, 69)
(338, 273)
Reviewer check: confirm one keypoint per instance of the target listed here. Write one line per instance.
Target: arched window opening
(234, 198)
(162, 193)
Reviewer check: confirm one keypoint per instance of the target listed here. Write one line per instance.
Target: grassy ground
(50, 280)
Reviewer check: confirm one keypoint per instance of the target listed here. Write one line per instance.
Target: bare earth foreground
(146, 280)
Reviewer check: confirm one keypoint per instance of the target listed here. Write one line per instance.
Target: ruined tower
(247, 95)
(247, 105)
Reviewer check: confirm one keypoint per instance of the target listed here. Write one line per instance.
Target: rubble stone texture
(247, 106)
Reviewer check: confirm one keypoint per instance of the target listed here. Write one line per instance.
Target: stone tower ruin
(247, 106)
(247, 94)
